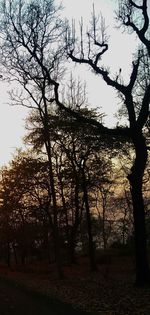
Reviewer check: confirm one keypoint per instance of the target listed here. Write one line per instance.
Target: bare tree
(27, 39)
(91, 53)
(31, 48)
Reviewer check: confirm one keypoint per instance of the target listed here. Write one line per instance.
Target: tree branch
(101, 129)
(135, 5)
(134, 73)
(104, 73)
(144, 112)
(140, 32)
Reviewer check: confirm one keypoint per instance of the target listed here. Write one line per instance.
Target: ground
(110, 291)
(16, 301)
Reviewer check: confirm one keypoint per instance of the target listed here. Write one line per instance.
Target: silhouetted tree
(97, 45)
(72, 150)
(33, 47)
(24, 195)
(26, 54)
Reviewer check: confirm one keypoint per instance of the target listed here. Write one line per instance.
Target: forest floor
(109, 291)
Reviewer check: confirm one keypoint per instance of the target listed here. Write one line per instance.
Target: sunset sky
(119, 56)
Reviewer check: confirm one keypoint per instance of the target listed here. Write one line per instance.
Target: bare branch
(101, 71)
(135, 5)
(81, 36)
(128, 9)
(99, 127)
(144, 112)
(134, 73)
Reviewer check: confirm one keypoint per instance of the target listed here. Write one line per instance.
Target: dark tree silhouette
(33, 38)
(26, 54)
(97, 46)
(24, 195)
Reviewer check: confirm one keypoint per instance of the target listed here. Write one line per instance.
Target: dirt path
(15, 301)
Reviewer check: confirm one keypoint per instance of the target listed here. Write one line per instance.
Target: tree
(24, 195)
(26, 54)
(31, 49)
(97, 46)
(73, 154)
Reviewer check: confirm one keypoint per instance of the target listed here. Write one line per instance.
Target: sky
(99, 94)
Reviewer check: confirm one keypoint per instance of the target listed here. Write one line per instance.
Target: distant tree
(24, 199)
(106, 199)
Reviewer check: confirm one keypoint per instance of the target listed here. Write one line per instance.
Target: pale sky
(119, 56)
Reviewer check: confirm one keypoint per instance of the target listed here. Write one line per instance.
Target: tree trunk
(89, 226)
(8, 254)
(136, 181)
(15, 254)
(56, 236)
(104, 221)
(55, 220)
(75, 224)
(72, 245)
